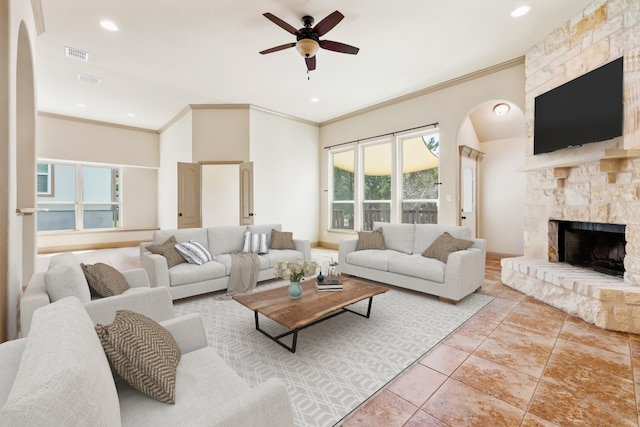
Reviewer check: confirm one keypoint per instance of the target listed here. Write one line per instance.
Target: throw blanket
(244, 272)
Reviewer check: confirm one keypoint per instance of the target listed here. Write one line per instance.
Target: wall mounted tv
(583, 110)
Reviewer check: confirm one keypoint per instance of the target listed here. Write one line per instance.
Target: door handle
(251, 214)
(180, 214)
(464, 217)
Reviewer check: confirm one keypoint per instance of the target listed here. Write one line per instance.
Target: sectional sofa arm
(266, 405)
(154, 303)
(465, 270)
(137, 278)
(188, 331)
(156, 267)
(346, 246)
(34, 297)
(303, 246)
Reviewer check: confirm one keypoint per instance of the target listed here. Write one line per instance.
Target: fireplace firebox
(592, 245)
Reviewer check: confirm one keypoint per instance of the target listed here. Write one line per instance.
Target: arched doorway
(495, 137)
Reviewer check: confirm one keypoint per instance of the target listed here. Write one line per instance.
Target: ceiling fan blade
(330, 21)
(280, 23)
(339, 47)
(311, 63)
(277, 48)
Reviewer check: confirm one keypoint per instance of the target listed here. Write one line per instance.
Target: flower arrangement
(295, 271)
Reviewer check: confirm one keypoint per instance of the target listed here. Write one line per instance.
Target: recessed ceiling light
(108, 25)
(501, 109)
(519, 11)
(130, 114)
(315, 99)
(81, 105)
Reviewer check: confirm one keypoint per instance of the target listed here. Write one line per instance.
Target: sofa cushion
(276, 255)
(204, 382)
(375, 259)
(398, 237)
(194, 252)
(226, 239)
(444, 245)
(105, 280)
(370, 240)
(65, 278)
(168, 250)
(64, 377)
(425, 234)
(418, 266)
(281, 240)
(255, 243)
(185, 274)
(264, 229)
(144, 353)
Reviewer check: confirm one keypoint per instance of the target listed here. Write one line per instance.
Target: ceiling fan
(308, 38)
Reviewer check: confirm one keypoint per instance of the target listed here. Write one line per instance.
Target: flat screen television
(586, 109)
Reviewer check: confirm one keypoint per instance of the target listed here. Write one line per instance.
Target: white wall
(467, 135)
(175, 146)
(502, 186)
(220, 195)
(221, 134)
(449, 106)
(285, 158)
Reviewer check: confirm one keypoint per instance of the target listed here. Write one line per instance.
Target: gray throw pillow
(168, 250)
(143, 353)
(444, 245)
(64, 278)
(105, 280)
(282, 240)
(370, 240)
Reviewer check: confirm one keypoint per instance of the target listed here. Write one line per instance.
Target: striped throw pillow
(194, 252)
(256, 243)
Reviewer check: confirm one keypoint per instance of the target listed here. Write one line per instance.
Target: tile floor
(518, 362)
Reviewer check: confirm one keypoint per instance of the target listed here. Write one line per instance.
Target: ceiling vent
(76, 53)
(89, 79)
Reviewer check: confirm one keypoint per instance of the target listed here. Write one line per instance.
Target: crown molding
(440, 86)
(95, 122)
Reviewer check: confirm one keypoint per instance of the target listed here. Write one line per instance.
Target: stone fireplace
(588, 195)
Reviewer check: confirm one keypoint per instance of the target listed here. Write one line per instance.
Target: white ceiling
(170, 53)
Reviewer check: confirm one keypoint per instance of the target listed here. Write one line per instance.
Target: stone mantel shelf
(608, 154)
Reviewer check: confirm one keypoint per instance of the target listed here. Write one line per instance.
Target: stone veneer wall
(598, 182)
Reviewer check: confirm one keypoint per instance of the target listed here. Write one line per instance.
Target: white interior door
(468, 193)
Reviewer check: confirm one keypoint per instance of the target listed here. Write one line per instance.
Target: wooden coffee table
(312, 307)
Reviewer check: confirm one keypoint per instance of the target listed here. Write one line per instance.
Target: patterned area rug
(340, 362)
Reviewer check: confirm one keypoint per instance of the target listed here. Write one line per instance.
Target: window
(86, 197)
(376, 205)
(342, 205)
(389, 180)
(44, 179)
(420, 169)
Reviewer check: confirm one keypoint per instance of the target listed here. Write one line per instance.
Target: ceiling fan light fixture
(307, 47)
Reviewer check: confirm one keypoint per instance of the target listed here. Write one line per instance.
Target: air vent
(76, 53)
(89, 79)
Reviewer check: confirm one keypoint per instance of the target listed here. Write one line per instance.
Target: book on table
(329, 285)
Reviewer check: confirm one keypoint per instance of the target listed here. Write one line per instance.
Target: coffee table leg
(360, 314)
(277, 338)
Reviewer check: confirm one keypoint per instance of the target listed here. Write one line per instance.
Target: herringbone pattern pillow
(282, 240)
(370, 240)
(143, 353)
(168, 250)
(444, 245)
(105, 280)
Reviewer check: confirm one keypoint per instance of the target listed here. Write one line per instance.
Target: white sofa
(185, 280)
(140, 297)
(59, 376)
(401, 262)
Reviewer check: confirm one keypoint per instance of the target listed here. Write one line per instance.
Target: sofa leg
(479, 289)
(450, 301)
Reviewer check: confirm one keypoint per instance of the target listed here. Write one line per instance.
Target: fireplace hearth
(596, 246)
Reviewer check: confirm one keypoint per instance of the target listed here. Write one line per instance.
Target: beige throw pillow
(168, 250)
(444, 245)
(282, 240)
(370, 240)
(105, 280)
(143, 353)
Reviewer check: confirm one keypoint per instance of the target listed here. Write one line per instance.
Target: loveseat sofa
(140, 297)
(187, 279)
(59, 376)
(402, 264)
